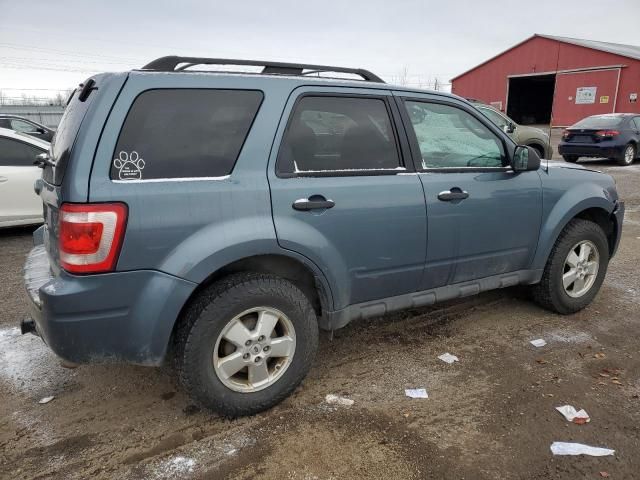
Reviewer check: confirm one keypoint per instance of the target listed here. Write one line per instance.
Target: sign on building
(585, 95)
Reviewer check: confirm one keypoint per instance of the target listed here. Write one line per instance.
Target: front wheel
(628, 156)
(575, 269)
(246, 343)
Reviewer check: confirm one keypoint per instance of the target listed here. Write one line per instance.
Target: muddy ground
(490, 416)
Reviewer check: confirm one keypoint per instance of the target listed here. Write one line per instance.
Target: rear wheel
(575, 269)
(246, 343)
(628, 156)
(570, 158)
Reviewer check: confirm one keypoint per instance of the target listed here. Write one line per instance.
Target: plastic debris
(539, 342)
(566, 448)
(46, 399)
(573, 415)
(448, 358)
(332, 399)
(604, 474)
(416, 393)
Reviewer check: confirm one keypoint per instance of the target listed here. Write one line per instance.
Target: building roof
(630, 51)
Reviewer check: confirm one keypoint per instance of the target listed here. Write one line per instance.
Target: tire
(570, 158)
(551, 293)
(628, 156)
(201, 339)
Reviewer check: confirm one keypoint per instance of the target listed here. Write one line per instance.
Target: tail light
(607, 133)
(566, 134)
(90, 236)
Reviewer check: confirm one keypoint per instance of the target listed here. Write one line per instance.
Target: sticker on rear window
(129, 165)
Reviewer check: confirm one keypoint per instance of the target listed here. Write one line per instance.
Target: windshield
(599, 121)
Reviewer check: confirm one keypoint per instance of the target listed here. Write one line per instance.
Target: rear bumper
(590, 150)
(115, 317)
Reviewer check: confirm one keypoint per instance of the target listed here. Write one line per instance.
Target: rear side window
(338, 134)
(17, 154)
(184, 133)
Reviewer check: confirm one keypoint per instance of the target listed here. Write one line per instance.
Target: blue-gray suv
(219, 219)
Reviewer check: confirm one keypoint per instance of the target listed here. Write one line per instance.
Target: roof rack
(175, 63)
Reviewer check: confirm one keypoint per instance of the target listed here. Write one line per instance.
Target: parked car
(226, 217)
(24, 125)
(19, 205)
(615, 136)
(521, 134)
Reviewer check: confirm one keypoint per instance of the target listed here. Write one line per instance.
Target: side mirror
(525, 159)
(41, 130)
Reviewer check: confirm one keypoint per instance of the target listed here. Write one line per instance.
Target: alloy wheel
(254, 349)
(580, 268)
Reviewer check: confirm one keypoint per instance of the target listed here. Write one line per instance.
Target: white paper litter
(448, 358)
(332, 399)
(46, 399)
(571, 414)
(565, 448)
(416, 392)
(538, 342)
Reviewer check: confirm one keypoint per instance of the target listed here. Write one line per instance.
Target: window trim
(415, 146)
(42, 150)
(483, 107)
(183, 179)
(402, 147)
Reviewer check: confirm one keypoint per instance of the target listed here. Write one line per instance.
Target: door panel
(483, 218)
(370, 239)
(18, 201)
(493, 231)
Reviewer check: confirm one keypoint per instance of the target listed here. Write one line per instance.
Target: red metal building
(556, 79)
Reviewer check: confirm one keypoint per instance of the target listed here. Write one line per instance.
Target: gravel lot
(490, 416)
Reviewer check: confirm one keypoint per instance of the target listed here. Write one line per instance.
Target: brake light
(607, 133)
(566, 134)
(90, 236)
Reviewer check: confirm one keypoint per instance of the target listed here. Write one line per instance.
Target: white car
(19, 205)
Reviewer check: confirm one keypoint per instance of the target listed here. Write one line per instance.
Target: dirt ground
(490, 416)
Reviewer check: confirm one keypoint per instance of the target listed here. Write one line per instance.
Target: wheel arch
(303, 274)
(596, 209)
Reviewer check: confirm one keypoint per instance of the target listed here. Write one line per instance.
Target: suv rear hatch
(66, 172)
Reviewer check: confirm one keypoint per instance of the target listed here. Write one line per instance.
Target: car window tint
(184, 133)
(495, 117)
(331, 134)
(449, 137)
(14, 153)
(22, 126)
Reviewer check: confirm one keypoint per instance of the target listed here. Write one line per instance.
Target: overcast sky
(46, 44)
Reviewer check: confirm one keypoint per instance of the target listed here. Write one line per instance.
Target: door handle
(454, 194)
(3, 179)
(315, 202)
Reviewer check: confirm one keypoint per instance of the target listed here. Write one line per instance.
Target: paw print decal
(129, 166)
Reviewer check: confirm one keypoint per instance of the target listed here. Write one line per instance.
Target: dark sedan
(614, 136)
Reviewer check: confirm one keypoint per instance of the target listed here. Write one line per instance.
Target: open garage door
(580, 94)
(530, 98)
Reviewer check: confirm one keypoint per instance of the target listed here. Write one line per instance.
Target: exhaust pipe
(28, 326)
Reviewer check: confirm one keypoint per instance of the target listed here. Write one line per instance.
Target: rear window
(184, 133)
(65, 136)
(599, 121)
